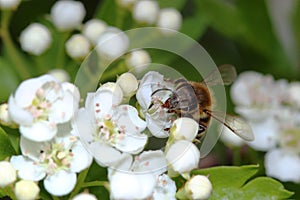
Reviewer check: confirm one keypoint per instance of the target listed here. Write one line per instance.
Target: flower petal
(148, 84)
(125, 185)
(105, 155)
(40, 131)
(18, 114)
(156, 126)
(81, 159)
(27, 89)
(150, 162)
(283, 165)
(27, 169)
(132, 143)
(63, 109)
(60, 183)
(126, 117)
(31, 149)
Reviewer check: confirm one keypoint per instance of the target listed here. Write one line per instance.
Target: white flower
(8, 174)
(39, 104)
(198, 187)
(57, 161)
(293, 94)
(78, 46)
(5, 118)
(9, 4)
(84, 196)
(184, 129)
(60, 74)
(67, 14)
(169, 18)
(265, 134)
(128, 83)
(254, 95)
(26, 190)
(165, 188)
(158, 118)
(138, 60)
(112, 128)
(35, 39)
(112, 43)
(283, 165)
(141, 175)
(92, 29)
(145, 11)
(183, 156)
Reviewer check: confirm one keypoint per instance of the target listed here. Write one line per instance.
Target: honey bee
(195, 100)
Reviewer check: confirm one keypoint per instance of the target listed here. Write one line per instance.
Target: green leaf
(8, 80)
(265, 188)
(6, 148)
(228, 175)
(235, 183)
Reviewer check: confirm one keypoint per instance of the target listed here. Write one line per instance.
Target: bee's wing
(223, 75)
(235, 123)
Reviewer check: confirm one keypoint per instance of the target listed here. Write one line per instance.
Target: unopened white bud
(92, 29)
(145, 11)
(9, 4)
(35, 39)
(5, 118)
(169, 18)
(198, 187)
(112, 43)
(26, 190)
(138, 59)
(60, 74)
(78, 46)
(184, 129)
(183, 156)
(128, 84)
(84, 196)
(67, 14)
(8, 174)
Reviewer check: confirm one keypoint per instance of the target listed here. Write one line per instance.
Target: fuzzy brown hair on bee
(195, 100)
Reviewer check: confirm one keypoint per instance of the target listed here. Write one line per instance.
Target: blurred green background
(260, 35)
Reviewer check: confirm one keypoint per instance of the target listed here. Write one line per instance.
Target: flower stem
(80, 181)
(96, 183)
(60, 59)
(14, 56)
(236, 156)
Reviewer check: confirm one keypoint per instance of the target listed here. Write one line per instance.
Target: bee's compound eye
(201, 129)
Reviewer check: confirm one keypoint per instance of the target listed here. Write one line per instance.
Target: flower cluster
(59, 139)
(273, 110)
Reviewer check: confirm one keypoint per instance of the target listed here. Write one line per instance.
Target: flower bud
(138, 59)
(92, 29)
(78, 46)
(26, 190)
(231, 139)
(112, 43)
(35, 39)
(169, 18)
(198, 187)
(5, 118)
(184, 129)
(128, 84)
(145, 11)
(84, 196)
(8, 174)
(60, 74)
(9, 4)
(183, 156)
(67, 14)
